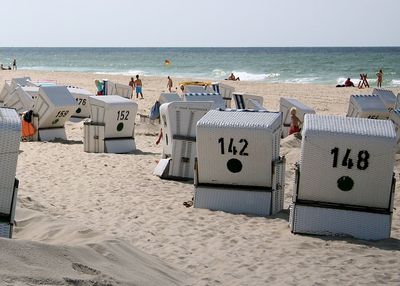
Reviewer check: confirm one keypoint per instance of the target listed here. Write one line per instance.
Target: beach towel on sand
(155, 111)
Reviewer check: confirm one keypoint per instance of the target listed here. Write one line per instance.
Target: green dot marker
(120, 126)
(345, 183)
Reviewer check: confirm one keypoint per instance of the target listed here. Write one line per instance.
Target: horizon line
(197, 47)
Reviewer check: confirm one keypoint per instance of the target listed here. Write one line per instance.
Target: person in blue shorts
(138, 87)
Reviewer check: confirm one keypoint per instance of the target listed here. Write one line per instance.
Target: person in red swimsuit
(294, 122)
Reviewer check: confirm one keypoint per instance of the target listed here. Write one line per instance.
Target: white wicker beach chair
(20, 100)
(395, 117)
(246, 101)
(10, 133)
(4, 92)
(111, 128)
(345, 181)
(82, 99)
(52, 108)
(367, 106)
(178, 121)
(216, 98)
(285, 105)
(239, 169)
(22, 81)
(168, 97)
(112, 88)
(387, 96)
(226, 91)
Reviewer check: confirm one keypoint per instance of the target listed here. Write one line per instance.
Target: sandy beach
(105, 219)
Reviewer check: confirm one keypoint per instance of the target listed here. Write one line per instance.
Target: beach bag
(155, 111)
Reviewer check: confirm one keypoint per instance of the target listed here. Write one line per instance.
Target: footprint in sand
(85, 269)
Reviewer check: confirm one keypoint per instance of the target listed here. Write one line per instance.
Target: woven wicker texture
(216, 98)
(285, 105)
(387, 96)
(347, 160)
(367, 106)
(81, 97)
(116, 113)
(54, 106)
(395, 117)
(10, 132)
(238, 201)
(238, 147)
(326, 221)
(20, 100)
(5, 230)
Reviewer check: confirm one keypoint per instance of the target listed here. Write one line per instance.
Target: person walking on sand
(169, 84)
(132, 85)
(138, 87)
(379, 75)
(14, 64)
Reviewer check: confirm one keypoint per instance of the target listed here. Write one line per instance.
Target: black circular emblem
(120, 126)
(78, 110)
(345, 183)
(234, 165)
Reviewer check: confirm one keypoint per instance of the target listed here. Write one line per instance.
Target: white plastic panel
(52, 134)
(395, 117)
(285, 105)
(120, 146)
(338, 222)
(116, 113)
(347, 160)
(238, 147)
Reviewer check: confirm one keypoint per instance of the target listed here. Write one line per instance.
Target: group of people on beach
(136, 84)
(14, 66)
(363, 81)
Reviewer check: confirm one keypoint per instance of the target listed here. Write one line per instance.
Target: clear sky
(195, 23)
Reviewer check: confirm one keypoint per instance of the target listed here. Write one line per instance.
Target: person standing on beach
(138, 87)
(132, 85)
(14, 64)
(169, 84)
(379, 75)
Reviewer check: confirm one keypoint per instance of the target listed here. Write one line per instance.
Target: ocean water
(275, 65)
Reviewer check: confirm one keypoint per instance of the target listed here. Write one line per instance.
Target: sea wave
(126, 73)
(254, 77)
(396, 82)
(302, 80)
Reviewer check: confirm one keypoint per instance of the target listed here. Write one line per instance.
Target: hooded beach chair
(367, 106)
(19, 99)
(215, 98)
(111, 128)
(285, 105)
(10, 133)
(226, 91)
(82, 99)
(239, 168)
(246, 101)
(344, 182)
(387, 96)
(112, 88)
(178, 122)
(52, 108)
